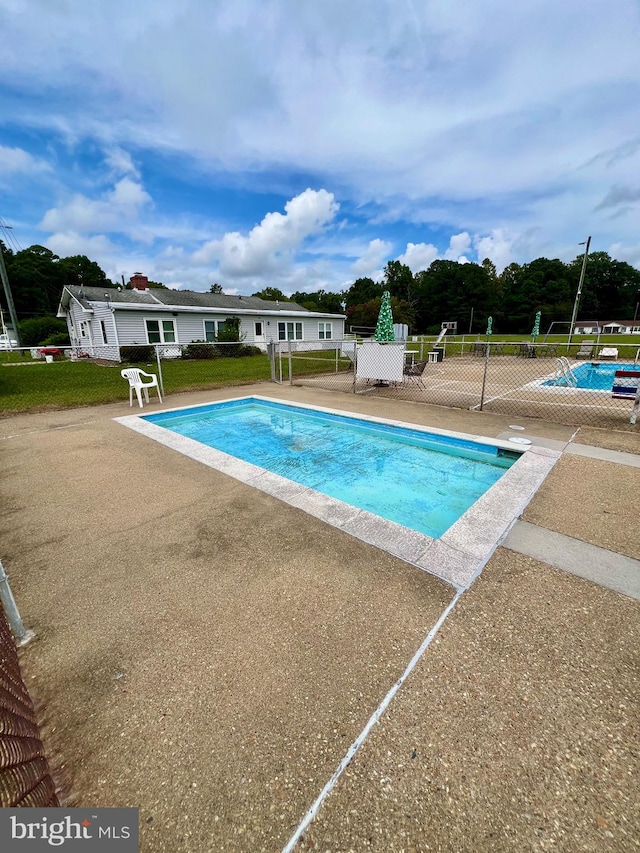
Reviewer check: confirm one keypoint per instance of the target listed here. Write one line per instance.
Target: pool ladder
(564, 374)
(637, 358)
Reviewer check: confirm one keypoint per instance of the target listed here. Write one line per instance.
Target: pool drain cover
(517, 440)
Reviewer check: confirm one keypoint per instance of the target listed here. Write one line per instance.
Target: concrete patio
(209, 653)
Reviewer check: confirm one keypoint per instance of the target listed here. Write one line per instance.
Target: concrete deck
(210, 654)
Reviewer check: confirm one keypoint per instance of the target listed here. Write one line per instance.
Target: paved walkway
(212, 655)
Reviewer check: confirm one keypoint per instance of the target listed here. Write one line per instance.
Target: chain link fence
(561, 382)
(565, 383)
(25, 779)
(41, 378)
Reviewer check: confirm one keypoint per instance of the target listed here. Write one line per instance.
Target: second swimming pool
(595, 376)
(419, 479)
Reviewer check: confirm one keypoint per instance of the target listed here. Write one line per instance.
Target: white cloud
(630, 254)
(270, 245)
(419, 256)
(120, 163)
(459, 244)
(97, 247)
(497, 246)
(473, 118)
(114, 212)
(370, 263)
(18, 161)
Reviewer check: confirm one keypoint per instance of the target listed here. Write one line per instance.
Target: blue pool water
(593, 375)
(421, 480)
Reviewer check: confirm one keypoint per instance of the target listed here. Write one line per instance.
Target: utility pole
(8, 296)
(580, 283)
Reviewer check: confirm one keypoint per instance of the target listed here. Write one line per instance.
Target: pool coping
(457, 557)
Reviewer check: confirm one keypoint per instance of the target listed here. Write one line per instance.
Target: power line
(8, 296)
(10, 238)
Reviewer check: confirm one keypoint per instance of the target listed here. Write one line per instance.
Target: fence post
(271, 351)
(355, 364)
(290, 365)
(484, 375)
(159, 369)
(11, 611)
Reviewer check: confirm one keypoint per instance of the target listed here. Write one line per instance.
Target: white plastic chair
(136, 383)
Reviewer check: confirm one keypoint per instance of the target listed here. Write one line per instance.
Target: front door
(258, 332)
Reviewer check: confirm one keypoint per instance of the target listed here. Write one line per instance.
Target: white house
(621, 327)
(101, 320)
(607, 327)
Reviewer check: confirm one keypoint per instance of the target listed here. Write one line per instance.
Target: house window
(258, 329)
(635, 330)
(324, 331)
(84, 329)
(161, 331)
(211, 329)
(289, 331)
(104, 332)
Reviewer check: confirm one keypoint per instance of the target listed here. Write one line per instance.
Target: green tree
(320, 300)
(610, 289)
(542, 285)
(36, 277)
(38, 331)
(448, 291)
(399, 281)
(79, 270)
(362, 290)
(216, 288)
(230, 336)
(36, 281)
(272, 294)
(366, 314)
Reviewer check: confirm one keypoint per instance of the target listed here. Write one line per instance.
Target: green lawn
(36, 386)
(65, 384)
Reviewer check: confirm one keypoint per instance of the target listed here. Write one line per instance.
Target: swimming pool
(456, 556)
(420, 480)
(595, 376)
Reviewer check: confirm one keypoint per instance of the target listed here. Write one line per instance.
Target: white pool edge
(457, 557)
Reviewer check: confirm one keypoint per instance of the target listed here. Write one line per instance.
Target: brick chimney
(139, 281)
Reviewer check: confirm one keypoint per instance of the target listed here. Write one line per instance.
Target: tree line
(37, 277)
(466, 294)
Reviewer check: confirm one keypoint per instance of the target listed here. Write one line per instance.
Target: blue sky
(300, 145)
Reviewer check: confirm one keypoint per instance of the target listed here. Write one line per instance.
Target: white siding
(131, 328)
(92, 341)
(190, 325)
(103, 313)
(310, 331)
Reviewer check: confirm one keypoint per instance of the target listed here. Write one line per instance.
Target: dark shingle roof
(221, 300)
(180, 297)
(99, 294)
